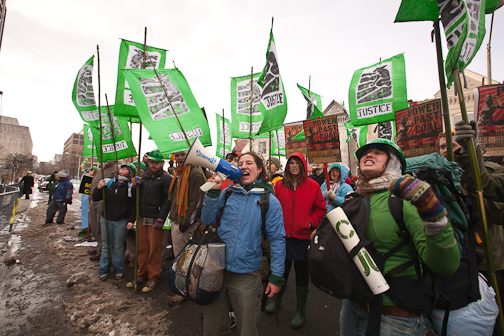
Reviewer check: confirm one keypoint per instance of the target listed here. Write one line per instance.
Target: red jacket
(303, 208)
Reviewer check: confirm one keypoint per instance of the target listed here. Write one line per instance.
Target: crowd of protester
(298, 201)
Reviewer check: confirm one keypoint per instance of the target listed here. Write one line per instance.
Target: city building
(15, 139)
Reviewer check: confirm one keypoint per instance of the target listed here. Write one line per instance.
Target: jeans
(117, 237)
(353, 322)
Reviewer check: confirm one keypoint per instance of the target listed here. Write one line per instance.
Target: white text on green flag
(273, 99)
(131, 56)
(83, 94)
(156, 112)
(89, 148)
(377, 91)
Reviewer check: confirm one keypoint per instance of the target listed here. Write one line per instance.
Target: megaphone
(199, 156)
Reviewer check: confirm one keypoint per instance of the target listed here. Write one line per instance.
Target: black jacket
(154, 201)
(118, 204)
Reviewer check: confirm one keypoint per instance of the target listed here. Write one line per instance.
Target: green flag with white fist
(131, 56)
(314, 102)
(83, 94)
(358, 133)
(119, 134)
(273, 99)
(223, 137)
(156, 112)
(89, 148)
(240, 106)
(377, 91)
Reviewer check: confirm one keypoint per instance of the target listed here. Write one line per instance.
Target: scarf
(260, 184)
(182, 191)
(382, 182)
(335, 186)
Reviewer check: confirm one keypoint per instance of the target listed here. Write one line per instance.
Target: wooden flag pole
(112, 130)
(309, 87)
(224, 135)
(101, 159)
(481, 205)
(251, 105)
(489, 58)
(444, 95)
(276, 132)
(270, 146)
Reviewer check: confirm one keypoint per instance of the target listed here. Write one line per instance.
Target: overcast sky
(46, 42)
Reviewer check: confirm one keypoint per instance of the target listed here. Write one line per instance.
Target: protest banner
(322, 140)
(418, 128)
(291, 145)
(489, 108)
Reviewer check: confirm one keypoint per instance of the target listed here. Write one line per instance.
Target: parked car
(43, 182)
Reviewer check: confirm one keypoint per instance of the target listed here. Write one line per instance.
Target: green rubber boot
(270, 307)
(301, 295)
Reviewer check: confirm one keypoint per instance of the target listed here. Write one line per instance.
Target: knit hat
(276, 162)
(63, 174)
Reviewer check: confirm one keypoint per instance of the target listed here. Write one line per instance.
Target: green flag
(156, 112)
(358, 133)
(240, 106)
(122, 137)
(278, 137)
(223, 137)
(377, 91)
(314, 102)
(428, 10)
(273, 99)
(89, 148)
(464, 25)
(131, 56)
(83, 94)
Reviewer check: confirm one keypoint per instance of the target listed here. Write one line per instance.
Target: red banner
(293, 146)
(418, 128)
(322, 140)
(489, 108)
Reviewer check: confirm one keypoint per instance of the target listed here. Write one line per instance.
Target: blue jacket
(60, 191)
(343, 189)
(241, 229)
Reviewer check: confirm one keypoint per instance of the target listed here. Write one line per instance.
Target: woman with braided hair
(382, 165)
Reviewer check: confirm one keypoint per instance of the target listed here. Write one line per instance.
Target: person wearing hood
(241, 229)
(61, 197)
(338, 189)
(381, 166)
(276, 170)
(303, 208)
(120, 202)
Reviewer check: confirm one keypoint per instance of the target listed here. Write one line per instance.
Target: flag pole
(481, 205)
(251, 95)
(101, 159)
(224, 136)
(309, 87)
(276, 132)
(489, 58)
(112, 130)
(270, 146)
(137, 173)
(444, 95)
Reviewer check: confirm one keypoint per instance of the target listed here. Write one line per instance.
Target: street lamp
(78, 167)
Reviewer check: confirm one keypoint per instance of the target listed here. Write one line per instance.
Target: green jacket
(52, 182)
(439, 251)
(492, 178)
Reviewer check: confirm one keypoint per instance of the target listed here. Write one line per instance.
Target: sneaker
(96, 257)
(103, 277)
(176, 300)
(119, 276)
(131, 284)
(149, 286)
(92, 251)
(232, 319)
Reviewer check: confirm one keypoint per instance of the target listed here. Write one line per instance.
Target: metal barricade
(8, 201)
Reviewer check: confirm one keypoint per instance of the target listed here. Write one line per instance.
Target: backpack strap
(264, 204)
(221, 209)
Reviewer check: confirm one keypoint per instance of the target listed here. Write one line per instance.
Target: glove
(158, 224)
(182, 228)
(421, 195)
(464, 132)
(330, 195)
(68, 201)
(137, 181)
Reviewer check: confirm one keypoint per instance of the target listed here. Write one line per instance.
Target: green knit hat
(276, 162)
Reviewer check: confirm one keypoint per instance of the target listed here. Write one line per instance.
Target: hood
(343, 171)
(303, 160)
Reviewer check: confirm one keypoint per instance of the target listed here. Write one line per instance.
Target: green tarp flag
(122, 137)
(223, 148)
(240, 106)
(273, 99)
(313, 100)
(156, 112)
(131, 56)
(83, 94)
(89, 148)
(278, 137)
(377, 91)
(428, 10)
(358, 133)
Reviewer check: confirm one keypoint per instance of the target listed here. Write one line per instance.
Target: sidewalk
(23, 205)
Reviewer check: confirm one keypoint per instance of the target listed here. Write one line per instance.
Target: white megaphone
(199, 156)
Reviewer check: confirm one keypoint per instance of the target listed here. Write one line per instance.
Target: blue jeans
(117, 237)
(353, 322)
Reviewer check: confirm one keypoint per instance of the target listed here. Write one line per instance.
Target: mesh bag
(197, 273)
